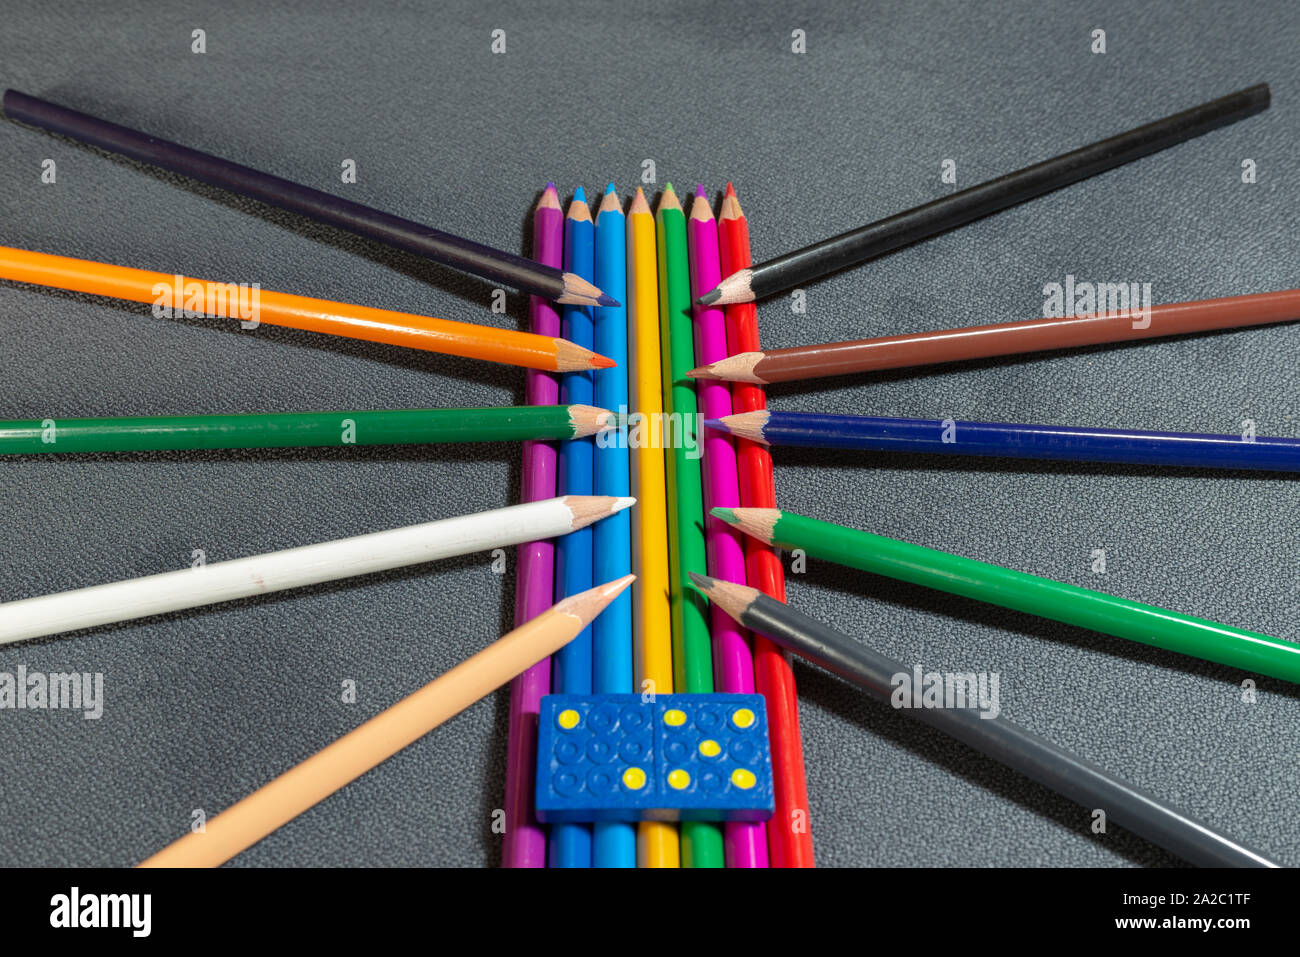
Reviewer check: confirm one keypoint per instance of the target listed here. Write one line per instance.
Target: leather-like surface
(204, 706)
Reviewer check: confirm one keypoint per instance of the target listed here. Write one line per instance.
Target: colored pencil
(1005, 742)
(298, 567)
(570, 844)
(273, 805)
(175, 293)
(789, 834)
(525, 837)
(463, 254)
(613, 843)
(658, 843)
(745, 842)
(949, 212)
(273, 430)
(995, 585)
(701, 841)
(1058, 442)
(1002, 339)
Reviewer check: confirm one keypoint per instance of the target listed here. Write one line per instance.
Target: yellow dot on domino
(710, 748)
(743, 778)
(674, 718)
(634, 779)
(743, 718)
(568, 719)
(679, 779)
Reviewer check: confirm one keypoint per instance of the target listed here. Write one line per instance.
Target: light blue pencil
(614, 842)
(571, 843)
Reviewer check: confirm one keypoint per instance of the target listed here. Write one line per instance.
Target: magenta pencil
(525, 839)
(745, 843)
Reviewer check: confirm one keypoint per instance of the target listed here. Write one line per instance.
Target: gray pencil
(1005, 742)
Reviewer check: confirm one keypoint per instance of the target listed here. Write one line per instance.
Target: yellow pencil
(658, 843)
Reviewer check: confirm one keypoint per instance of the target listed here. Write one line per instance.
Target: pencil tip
(550, 185)
(731, 190)
(602, 362)
(702, 582)
(702, 372)
(610, 189)
(668, 188)
(719, 424)
(727, 515)
(710, 297)
(579, 196)
(640, 193)
(625, 501)
(607, 300)
(699, 191)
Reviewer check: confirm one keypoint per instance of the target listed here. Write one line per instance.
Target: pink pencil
(733, 659)
(525, 839)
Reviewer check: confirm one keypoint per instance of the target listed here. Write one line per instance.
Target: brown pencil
(273, 805)
(1005, 339)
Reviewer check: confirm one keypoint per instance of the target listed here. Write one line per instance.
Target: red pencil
(789, 836)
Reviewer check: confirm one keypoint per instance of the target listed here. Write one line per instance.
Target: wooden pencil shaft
(701, 841)
(464, 254)
(963, 207)
(1033, 335)
(286, 430)
(1006, 439)
(789, 831)
(1044, 597)
(1005, 742)
(178, 293)
(281, 800)
(524, 842)
(295, 567)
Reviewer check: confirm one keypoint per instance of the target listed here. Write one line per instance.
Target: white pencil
(295, 567)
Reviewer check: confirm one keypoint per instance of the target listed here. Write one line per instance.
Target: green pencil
(300, 429)
(692, 649)
(1044, 597)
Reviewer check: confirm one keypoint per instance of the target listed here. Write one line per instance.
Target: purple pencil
(525, 839)
(745, 844)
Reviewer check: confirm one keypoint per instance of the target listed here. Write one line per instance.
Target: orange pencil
(251, 303)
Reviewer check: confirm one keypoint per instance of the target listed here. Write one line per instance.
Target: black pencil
(1005, 742)
(464, 254)
(941, 215)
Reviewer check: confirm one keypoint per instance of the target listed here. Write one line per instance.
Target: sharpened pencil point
(731, 190)
(623, 502)
(702, 372)
(668, 188)
(699, 191)
(602, 362)
(606, 300)
(727, 515)
(702, 582)
(719, 424)
(579, 196)
(708, 299)
(550, 186)
(610, 189)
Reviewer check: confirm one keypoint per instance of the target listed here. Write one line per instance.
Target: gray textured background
(203, 707)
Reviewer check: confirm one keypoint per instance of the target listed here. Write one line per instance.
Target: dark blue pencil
(613, 842)
(570, 844)
(1059, 442)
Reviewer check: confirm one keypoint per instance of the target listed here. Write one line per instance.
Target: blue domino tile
(613, 757)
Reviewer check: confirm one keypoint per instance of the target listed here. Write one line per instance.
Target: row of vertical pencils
(662, 638)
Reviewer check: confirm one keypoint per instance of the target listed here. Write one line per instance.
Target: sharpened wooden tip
(589, 419)
(574, 358)
(732, 598)
(550, 198)
(669, 199)
(758, 523)
(639, 204)
(587, 509)
(731, 205)
(701, 211)
(610, 204)
(579, 292)
(585, 606)
(737, 368)
(735, 288)
(744, 425)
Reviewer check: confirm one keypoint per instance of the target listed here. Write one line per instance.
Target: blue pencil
(1058, 442)
(614, 842)
(570, 844)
